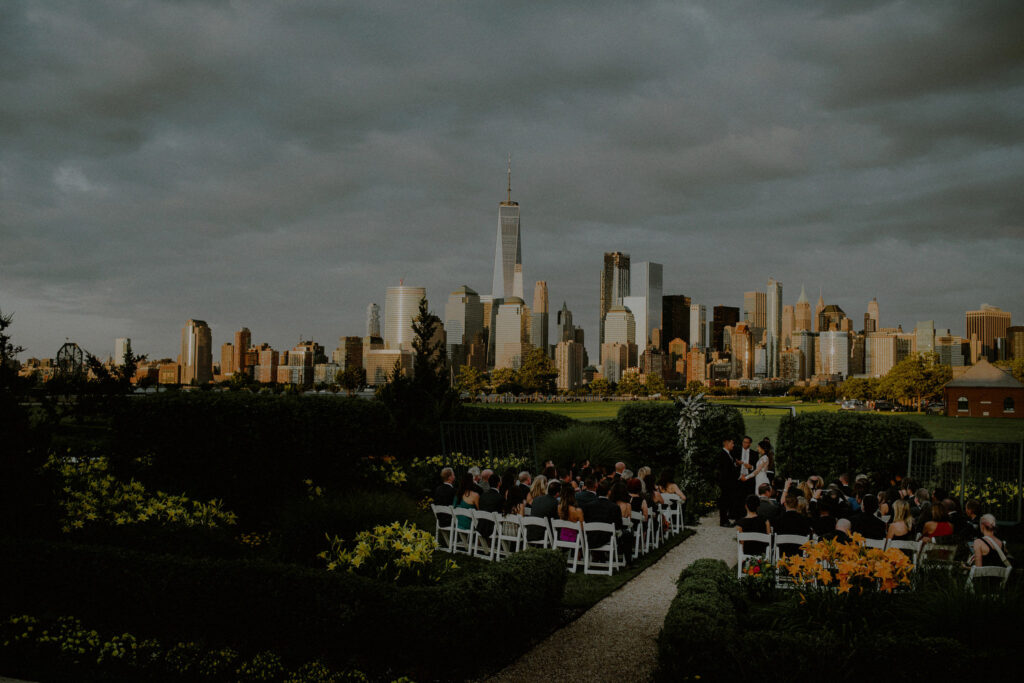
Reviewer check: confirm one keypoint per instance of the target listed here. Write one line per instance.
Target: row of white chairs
(919, 551)
(512, 533)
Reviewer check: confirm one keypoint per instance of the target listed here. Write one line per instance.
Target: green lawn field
(762, 416)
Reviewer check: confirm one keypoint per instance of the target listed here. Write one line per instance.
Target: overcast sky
(278, 165)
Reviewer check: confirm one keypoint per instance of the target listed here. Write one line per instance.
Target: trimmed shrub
(253, 451)
(580, 443)
(651, 432)
(543, 422)
(830, 443)
(301, 614)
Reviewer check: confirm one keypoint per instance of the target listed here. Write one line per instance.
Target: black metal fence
(991, 472)
(489, 442)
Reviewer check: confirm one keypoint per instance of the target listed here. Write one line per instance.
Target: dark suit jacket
(792, 522)
(770, 510)
(491, 500)
(444, 495)
(585, 498)
(602, 510)
(523, 489)
(750, 485)
(544, 506)
(868, 526)
(728, 472)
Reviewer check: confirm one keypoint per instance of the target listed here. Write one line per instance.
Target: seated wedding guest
(651, 494)
(485, 479)
(515, 503)
(466, 497)
(768, 509)
(989, 550)
(524, 484)
(920, 507)
(620, 467)
(603, 510)
(566, 478)
(972, 511)
(841, 534)
(791, 522)
(938, 526)
(589, 493)
(539, 488)
(884, 511)
(475, 471)
(642, 473)
(956, 518)
(901, 526)
(636, 498)
(619, 494)
(802, 506)
(492, 500)
(445, 493)
(545, 504)
(550, 473)
(826, 521)
(666, 484)
(865, 522)
(753, 523)
(568, 511)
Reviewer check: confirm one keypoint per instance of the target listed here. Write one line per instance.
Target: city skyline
(260, 175)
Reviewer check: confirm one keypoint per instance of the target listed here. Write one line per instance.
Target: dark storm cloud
(277, 165)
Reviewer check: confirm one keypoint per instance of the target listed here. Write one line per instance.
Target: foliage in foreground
(64, 649)
(581, 443)
(395, 552)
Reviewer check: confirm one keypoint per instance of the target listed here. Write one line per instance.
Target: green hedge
(830, 443)
(302, 614)
(253, 451)
(543, 421)
(650, 429)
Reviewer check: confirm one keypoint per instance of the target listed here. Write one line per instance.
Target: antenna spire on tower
(510, 177)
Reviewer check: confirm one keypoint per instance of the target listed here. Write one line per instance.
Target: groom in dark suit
(728, 478)
(745, 454)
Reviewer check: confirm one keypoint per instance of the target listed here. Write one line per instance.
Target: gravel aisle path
(627, 621)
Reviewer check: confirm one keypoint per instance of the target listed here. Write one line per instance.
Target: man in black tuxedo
(491, 499)
(524, 483)
(589, 493)
(728, 472)
(445, 493)
(602, 510)
(865, 522)
(747, 455)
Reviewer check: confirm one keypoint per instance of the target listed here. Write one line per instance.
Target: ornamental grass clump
(848, 566)
(399, 553)
(92, 496)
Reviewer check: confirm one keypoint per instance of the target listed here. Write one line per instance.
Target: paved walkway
(616, 639)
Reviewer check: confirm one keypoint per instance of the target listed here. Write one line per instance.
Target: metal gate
(991, 472)
(487, 443)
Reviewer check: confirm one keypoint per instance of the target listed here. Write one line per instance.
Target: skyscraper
(698, 326)
(722, 317)
(614, 284)
(569, 361)
(121, 346)
(773, 326)
(243, 340)
(620, 328)
(508, 249)
(196, 353)
(539, 318)
(508, 336)
(675, 319)
(834, 349)
(754, 311)
(988, 323)
(924, 333)
(804, 341)
(227, 359)
(401, 306)
(871, 319)
(788, 324)
(818, 308)
(646, 283)
(463, 321)
(742, 352)
(802, 313)
(373, 320)
(566, 332)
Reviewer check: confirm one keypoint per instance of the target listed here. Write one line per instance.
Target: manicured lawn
(762, 418)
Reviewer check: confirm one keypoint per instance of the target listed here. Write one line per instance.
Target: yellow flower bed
(848, 566)
(93, 496)
(395, 552)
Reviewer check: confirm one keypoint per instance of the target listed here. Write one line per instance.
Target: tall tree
(629, 385)
(537, 373)
(504, 380)
(655, 383)
(8, 351)
(470, 380)
(600, 387)
(351, 379)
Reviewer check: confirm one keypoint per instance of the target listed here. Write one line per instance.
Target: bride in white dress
(761, 468)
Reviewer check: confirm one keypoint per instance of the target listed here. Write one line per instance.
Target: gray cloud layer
(277, 165)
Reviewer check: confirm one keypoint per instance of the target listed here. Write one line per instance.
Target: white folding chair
(640, 535)
(753, 537)
(610, 549)
(1001, 573)
(545, 531)
(911, 548)
(933, 552)
(443, 521)
(793, 540)
(463, 539)
(673, 511)
(486, 545)
(575, 547)
(511, 535)
(653, 526)
(878, 543)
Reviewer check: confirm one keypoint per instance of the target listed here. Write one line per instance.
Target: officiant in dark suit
(746, 458)
(728, 480)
